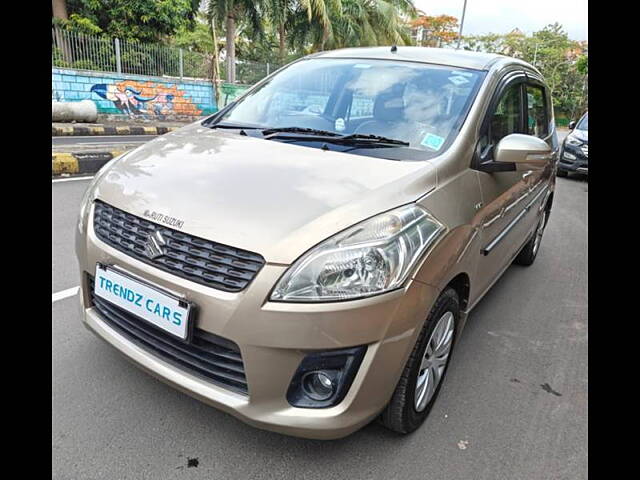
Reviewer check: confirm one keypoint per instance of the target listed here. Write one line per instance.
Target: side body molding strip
(491, 245)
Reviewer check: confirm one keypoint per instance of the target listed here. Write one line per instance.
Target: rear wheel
(424, 372)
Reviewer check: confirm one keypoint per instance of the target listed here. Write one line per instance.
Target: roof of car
(440, 56)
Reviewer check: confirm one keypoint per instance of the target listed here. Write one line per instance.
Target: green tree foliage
(143, 20)
(560, 59)
(582, 64)
(351, 23)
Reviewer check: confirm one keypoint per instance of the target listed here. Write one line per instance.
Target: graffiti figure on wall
(128, 101)
(135, 98)
(163, 104)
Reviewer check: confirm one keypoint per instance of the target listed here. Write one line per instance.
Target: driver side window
(507, 116)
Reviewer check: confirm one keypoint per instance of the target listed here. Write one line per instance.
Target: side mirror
(524, 151)
(572, 124)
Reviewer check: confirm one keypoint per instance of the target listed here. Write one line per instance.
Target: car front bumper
(273, 339)
(578, 164)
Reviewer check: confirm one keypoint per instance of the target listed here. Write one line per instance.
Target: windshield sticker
(434, 142)
(339, 125)
(361, 65)
(458, 80)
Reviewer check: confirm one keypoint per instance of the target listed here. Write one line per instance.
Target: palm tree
(373, 22)
(279, 13)
(353, 23)
(232, 11)
(319, 15)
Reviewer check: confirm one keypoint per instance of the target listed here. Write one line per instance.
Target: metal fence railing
(106, 54)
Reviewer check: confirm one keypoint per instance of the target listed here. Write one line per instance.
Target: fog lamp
(323, 378)
(318, 385)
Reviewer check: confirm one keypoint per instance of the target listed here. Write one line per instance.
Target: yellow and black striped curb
(85, 162)
(73, 130)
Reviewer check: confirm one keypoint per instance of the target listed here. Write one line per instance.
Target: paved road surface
(98, 143)
(514, 405)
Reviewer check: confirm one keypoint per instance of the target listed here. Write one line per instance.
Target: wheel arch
(461, 283)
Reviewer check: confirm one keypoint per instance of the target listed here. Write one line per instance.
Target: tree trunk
(281, 52)
(325, 36)
(60, 12)
(231, 49)
(60, 9)
(216, 66)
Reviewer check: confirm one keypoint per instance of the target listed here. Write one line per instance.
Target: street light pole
(464, 9)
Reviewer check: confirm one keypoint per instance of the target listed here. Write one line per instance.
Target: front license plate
(150, 303)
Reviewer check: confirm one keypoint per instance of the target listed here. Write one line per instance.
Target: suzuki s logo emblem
(153, 248)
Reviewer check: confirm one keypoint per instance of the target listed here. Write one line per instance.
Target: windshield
(583, 124)
(421, 104)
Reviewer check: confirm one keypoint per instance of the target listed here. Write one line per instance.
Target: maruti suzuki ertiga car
(306, 258)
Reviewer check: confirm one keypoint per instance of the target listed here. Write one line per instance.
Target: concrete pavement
(514, 404)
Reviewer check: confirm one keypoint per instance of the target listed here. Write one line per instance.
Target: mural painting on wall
(146, 98)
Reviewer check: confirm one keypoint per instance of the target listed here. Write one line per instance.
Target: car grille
(201, 261)
(206, 355)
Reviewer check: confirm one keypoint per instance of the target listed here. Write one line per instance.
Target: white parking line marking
(69, 179)
(69, 292)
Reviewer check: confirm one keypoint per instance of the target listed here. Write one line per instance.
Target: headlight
(372, 257)
(574, 141)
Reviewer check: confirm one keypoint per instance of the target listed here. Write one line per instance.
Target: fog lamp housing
(323, 378)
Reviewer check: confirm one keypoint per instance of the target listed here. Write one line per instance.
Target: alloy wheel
(435, 360)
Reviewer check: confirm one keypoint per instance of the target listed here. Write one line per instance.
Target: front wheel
(424, 372)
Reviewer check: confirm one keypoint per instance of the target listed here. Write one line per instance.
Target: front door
(504, 226)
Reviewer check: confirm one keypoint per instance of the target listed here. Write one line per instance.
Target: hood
(582, 135)
(264, 196)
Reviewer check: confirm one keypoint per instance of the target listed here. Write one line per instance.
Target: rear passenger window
(506, 117)
(537, 115)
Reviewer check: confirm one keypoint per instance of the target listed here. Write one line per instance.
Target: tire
(562, 173)
(401, 414)
(529, 252)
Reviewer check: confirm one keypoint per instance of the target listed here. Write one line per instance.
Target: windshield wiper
(362, 138)
(269, 132)
(331, 137)
(314, 134)
(233, 126)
